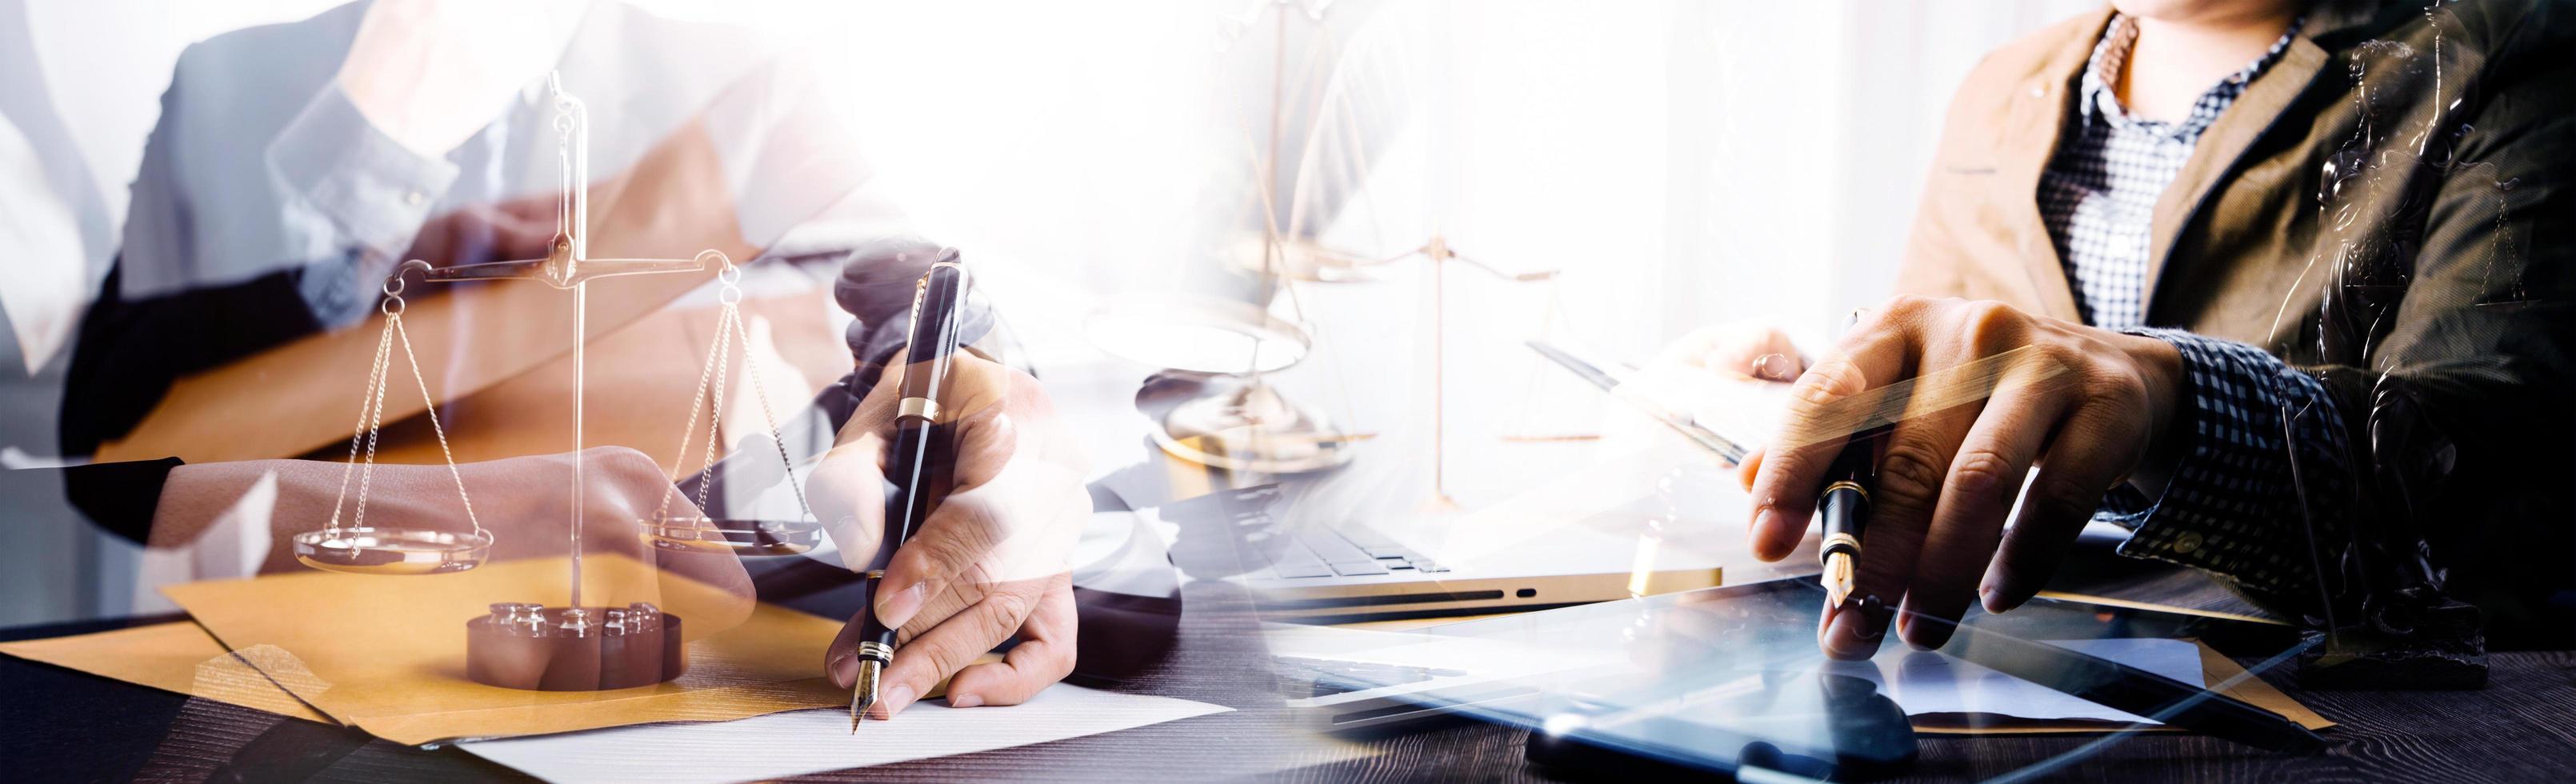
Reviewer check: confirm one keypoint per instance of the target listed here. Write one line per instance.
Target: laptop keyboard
(1304, 677)
(1314, 551)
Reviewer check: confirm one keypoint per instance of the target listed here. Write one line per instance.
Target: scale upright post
(567, 265)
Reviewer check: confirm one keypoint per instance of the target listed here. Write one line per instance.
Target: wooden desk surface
(67, 725)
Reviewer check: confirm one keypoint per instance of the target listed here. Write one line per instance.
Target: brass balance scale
(575, 647)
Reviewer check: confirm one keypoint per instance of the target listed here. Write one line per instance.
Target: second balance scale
(528, 645)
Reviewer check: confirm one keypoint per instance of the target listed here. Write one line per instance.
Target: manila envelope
(2217, 672)
(386, 654)
(176, 656)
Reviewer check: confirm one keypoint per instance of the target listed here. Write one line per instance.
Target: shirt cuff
(2248, 495)
(371, 191)
(341, 290)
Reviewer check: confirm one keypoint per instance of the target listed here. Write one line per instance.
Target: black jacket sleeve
(2459, 318)
(119, 497)
(129, 351)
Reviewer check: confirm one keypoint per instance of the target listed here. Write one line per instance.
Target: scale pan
(740, 537)
(1253, 429)
(392, 550)
(1196, 333)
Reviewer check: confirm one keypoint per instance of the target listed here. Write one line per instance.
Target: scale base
(539, 648)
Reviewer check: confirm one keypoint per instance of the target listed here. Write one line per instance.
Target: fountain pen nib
(1837, 578)
(863, 691)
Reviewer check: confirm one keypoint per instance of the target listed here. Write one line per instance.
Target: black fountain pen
(922, 460)
(1845, 506)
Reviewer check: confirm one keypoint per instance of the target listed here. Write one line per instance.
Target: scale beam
(561, 270)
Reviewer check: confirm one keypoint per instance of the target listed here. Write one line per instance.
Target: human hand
(1730, 378)
(989, 562)
(1738, 351)
(505, 230)
(2089, 407)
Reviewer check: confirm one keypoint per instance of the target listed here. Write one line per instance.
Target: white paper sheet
(1922, 682)
(813, 741)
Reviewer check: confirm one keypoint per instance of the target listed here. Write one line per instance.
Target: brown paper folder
(177, 657)
(387, 654)
(2215, 669)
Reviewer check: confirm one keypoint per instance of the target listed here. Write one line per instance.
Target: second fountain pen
(1845, 508)
(921, 461)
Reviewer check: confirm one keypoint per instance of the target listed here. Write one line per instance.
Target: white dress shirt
(261, 163)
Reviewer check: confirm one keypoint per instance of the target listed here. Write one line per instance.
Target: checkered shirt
(2099, 192)
(2232, 505)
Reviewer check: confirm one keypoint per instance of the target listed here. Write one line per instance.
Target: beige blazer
(2389, 207)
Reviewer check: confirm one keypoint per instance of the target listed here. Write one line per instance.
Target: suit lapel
(2220, 148)
(2247, 120)
(2024, 143)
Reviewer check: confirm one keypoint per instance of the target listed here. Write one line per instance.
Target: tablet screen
(1706, 678)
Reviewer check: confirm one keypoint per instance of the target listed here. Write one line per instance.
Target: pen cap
(936, 309)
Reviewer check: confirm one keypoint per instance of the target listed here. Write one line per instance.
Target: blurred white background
(1682, 162)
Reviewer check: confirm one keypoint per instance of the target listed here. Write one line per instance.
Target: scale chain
(367, 401)
(715, 405)
(751, 367)
(371, 416)
(713, 379)
(375, 413)
(441, 432)
(689, 431)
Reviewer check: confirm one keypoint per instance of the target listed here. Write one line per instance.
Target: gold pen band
(1841, 540)
(1848, 485)
(918, 407)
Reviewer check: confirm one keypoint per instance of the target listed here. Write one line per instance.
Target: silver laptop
(1606, 533)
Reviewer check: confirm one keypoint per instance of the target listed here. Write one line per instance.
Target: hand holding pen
(921, 463)
(1974, 395)
(958, 491)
